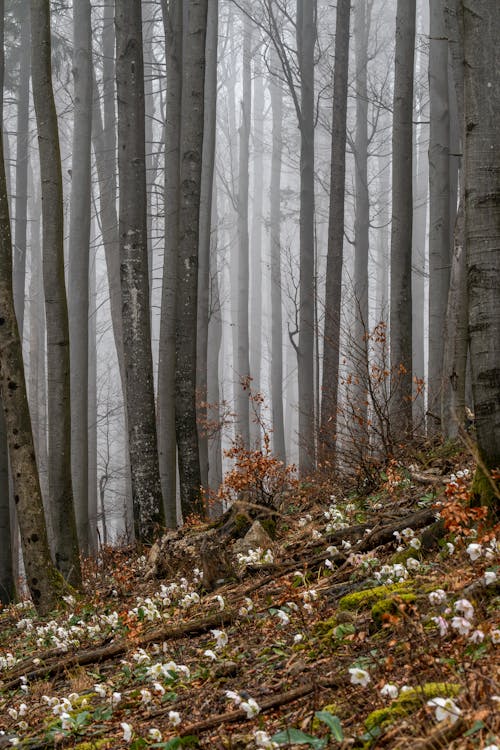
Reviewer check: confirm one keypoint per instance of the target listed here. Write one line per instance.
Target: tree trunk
(276, 295)
(243, 360)
(401, 231)
(92, 410)
(213, 378)
(306, 37)
(43, 581)
(7, 586)
(56, 310)
(482, 218)
(143, 450)
(439, 205)
(78, 274)
(205, 269)
(172, 21)
(22, 156)
(334, 262)
(256, 281)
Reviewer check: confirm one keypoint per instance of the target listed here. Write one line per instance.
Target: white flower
(445, 709)
(23, 708)
(158, 688)
(250, 707)
(477, 636)
(221, 602)
(127, 731)
(155, 734)
(346, 545)
(415, 543)
(146, 696)
(12, 713)
(116, 698)
(490, 577)
(316, 534)
(461, 624)
(210, 654)
(220, 637)
(442, 625)
(465, 607)
(66, 720)
(14, 740)
(437, 597)
(495, 636)
(359, 676)
(412, 564)
(491, 747)
(174, 718)
(474, 551)
(263, 740)
(332, 550)
(391, 691)
(232, 696)
(329, 564)
(450, 547)
(298, 637)
(283, 617)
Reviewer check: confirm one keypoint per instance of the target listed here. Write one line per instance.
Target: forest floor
(368, 626)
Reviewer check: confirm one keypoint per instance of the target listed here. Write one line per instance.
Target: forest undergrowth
(370, 621)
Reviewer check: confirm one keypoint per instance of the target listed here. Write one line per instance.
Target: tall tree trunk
(149, 106)
(482, 218)
(275, 238)
(334, 261)
(7, 586)
(243, 359)
(56, 310)
(401, 230)
(256, 319)
(214, 347)
(192, 117)
(78, 275)
(92, 410)
(306, 32)
(143, 449)
(22, 156)
(173, 24)
(42, 579)
(205, 269)
(439, 194)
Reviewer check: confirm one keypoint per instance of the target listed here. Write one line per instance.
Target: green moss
(368, 597)
(482, 492)
(332, 709)
(322, 627)
(269, 525)
(242, 523)
(402, 557)
(389, 606)
(93, 745)
(410, 701)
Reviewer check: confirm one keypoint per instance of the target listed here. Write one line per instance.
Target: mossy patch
(94, 745)
(332, 709)
(482, 492)
(368, 597)
(390, 606)
(410, 701)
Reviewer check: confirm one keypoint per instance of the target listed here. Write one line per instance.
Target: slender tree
(402, 214)
(331, 344)
(43, 581)
(481, 23)
(143, 449)
(56, 310)
(173, 25)
(78, 275)
(192, 118)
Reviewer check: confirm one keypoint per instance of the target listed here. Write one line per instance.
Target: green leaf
(103, 713)
(138, 744)
(476, 727)
(297, 737)
(175, 742)
(81, 719)
(333, 722)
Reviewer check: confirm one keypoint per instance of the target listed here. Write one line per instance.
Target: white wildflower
(474, 551)
(210, 654)
(174, 718)
(442, 625)
(437, 597)
(465, 607)
(250, 707)
(450, 547)
(445, 708)
(127, 731)
(263, 740)
(220, 637)
(461, 624)
(477, 636)
(495, 636)
(155, 734)
(390, 691)
(283, 617)
(359, 676)
(490, 577)
(232, 696)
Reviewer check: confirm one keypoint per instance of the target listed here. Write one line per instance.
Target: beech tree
(134, 279)
(44, 582)
(481, 25)
(56, 309)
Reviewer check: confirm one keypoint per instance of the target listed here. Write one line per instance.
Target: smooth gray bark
(134, 279)
(192, 117)
(335, 251)
(206, 269)
(42, 579)
(243, 351)
(276, 284)
(402, 215)
(173, 23)
(56, 310)
(214, 348)
(92, 411)
(482, 216)
(22, 143)
(7, 587)
(439, 204)
(78, 274)
(306, 39)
